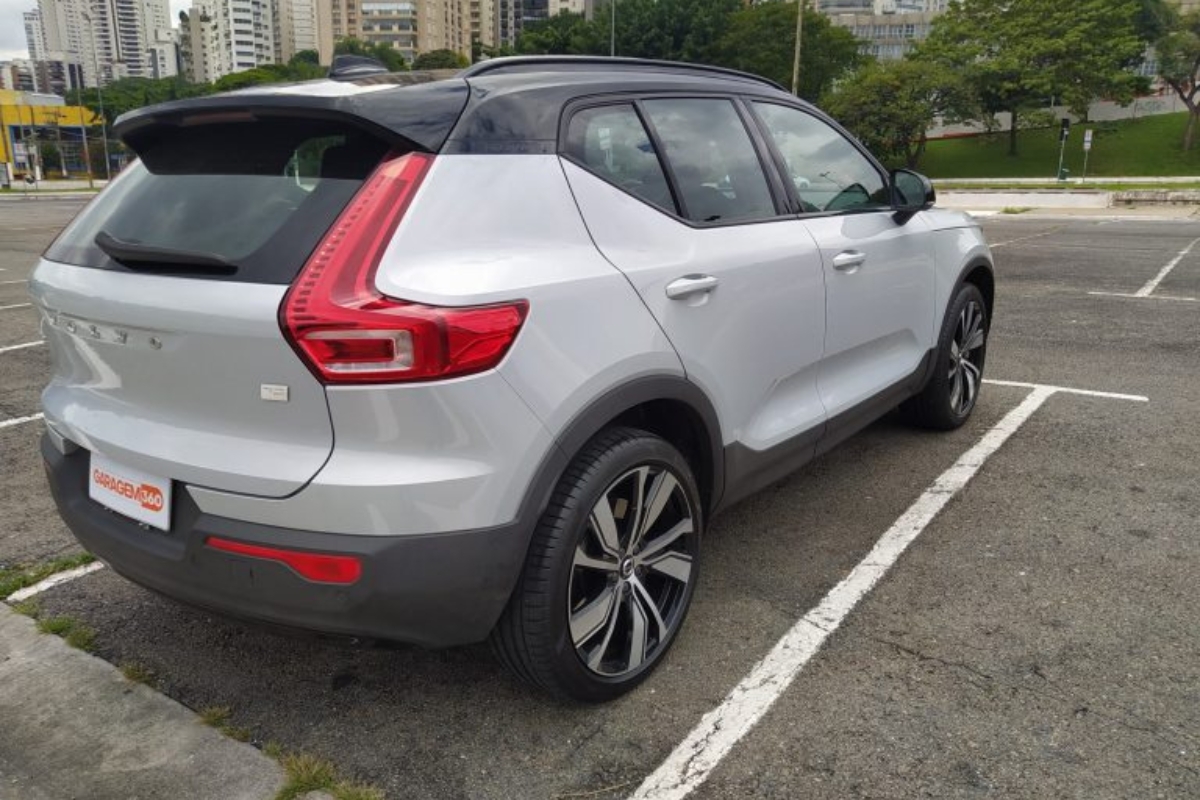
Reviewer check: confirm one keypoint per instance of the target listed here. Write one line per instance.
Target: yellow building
(29, 120)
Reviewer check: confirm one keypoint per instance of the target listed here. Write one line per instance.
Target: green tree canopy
(439, 59)
(1019, 54)
(762, 39)
(1178, 51)
(382, 52)
(889, 106)
(563, 34)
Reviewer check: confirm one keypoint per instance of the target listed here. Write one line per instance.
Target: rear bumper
(434, 590)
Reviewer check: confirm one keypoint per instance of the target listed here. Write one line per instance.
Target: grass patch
(20, 576)
(139, 674)
(72, 631)
(306, 773)
(1014, 209)
(1149, 147)
(28, 608)
(218, 717)
(215, 716)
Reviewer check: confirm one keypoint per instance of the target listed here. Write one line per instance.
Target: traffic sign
(1087, 140)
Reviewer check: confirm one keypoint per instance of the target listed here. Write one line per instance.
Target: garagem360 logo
(147, 496)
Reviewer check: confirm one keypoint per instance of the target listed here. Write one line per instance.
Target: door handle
(690, 285)
(849, 260)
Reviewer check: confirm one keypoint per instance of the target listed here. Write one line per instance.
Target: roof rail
(550, 62)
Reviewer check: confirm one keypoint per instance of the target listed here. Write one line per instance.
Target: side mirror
(911, 192)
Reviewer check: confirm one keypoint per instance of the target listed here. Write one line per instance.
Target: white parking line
(12, 347)
(1027, 238)
(690, 764)
(1137, 398)
(23, 280)
(15, 305)
(1147, 291)
(57, 579)
(1153, 283)
(1149, 297)
(8, 423)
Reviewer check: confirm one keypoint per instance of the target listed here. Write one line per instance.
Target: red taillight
(349, 333)
(318, 567)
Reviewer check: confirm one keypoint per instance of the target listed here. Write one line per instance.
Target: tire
(597, 605)
(950, 396)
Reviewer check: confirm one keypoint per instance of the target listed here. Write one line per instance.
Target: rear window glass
(259, 194)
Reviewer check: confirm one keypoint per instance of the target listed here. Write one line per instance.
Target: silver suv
(439, 361)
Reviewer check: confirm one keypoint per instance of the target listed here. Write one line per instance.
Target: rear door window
(611, 142)
(258, 194)
(712, 159)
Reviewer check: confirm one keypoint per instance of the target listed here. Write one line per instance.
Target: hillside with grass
(1150, 146)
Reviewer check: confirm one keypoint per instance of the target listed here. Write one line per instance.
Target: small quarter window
(612, 142)
(712, 158)
(829, 173)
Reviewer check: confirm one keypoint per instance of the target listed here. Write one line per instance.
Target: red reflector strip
(317, 567)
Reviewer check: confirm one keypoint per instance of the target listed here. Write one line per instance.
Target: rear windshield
(259, 194)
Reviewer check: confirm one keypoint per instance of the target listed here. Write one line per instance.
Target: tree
(439, 59)
(1018, 54)
(889, 106)
(382, 52)
(1179, 66)
(762, 39)
(563, 34)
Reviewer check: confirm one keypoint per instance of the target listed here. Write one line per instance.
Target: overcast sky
(12, 28)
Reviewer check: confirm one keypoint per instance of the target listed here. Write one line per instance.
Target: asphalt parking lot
(1039, 638)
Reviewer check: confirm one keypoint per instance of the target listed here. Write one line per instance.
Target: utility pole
(100, 97)
(796, 55)
(612, 29)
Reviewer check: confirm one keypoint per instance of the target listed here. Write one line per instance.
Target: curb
(75, 727)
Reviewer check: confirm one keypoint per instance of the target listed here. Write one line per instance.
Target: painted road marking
(57, 579)
(1153, 283)
(1136, 398)
(1027, 238)
(690, 764)
(12, 347)
(15, 305)
(23, 280)
(8, 423)
(1149, 297)
(1147, 291)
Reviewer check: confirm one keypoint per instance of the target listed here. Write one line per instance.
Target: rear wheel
(950, 396)
(610, 571)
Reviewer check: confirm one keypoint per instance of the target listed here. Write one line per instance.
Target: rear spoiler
(399, 108)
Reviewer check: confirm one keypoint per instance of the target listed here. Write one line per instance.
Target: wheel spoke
(592, 617)
(975, 341)
(673, 565)
(969, 388)
(639, 633)
(597, 656)
(642, 596)
(605, 526)
(639, 505)
(603, 563)
(956, 389)
(660, 492)
(659, 543)
(974, 370)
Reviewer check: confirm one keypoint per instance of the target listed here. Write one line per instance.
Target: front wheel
(610, 572)
(950, 396)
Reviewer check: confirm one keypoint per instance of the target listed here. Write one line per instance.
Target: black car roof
(507, 105)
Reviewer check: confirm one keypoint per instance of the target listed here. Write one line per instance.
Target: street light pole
(612, 29)
(796, 54)
(100, 97)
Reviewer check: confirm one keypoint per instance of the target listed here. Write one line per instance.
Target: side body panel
(754, 343)
(881, 313)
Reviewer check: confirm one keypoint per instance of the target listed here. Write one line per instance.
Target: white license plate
(130, 492)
